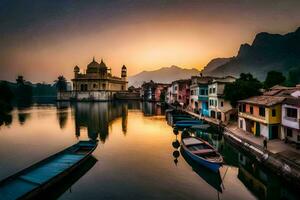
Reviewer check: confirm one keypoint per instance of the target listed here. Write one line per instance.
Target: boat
(213, 179)
(202, 152)
(201, 126)
(187, 123)
(36, 179)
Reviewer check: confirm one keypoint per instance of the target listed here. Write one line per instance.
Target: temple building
(96, 84)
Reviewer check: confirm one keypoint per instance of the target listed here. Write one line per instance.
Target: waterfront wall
(97, 96)
(85, 96)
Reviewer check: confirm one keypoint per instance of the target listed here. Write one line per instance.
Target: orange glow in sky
(142, 35)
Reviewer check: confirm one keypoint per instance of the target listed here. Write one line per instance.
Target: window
(175, 88)
(192, 92)
(241, 124)
(214, 90)
(242, 107)
(291, 112)
(179, 97)
(222, 103)
(289, 132)
(251, 109)
(206, 92)
(273, 112)
(202, 92)
(210, 90)
(94, 85)
(216, 103)
(261, 111)
(103, 86)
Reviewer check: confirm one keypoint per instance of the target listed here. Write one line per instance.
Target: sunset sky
(44, 39)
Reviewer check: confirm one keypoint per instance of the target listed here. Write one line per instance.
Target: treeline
(22, 92)
(247, 86)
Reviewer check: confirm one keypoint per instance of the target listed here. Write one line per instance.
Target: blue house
(199, 94)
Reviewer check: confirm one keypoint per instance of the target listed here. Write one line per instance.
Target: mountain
(267, 52)
(162, 75)
(215, 63)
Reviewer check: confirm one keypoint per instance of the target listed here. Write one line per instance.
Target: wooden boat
(213, 179)
(202, 152)
(28, 183)
(201, 126)
(187, 123)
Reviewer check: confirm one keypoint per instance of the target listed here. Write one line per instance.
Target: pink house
(181, 91)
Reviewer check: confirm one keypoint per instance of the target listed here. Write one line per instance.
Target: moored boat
(202, 152)
(187, 123)
(30, 182)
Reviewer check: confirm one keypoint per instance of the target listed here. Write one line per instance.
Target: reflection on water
(65, 185)
(138, 157)
(259, 180)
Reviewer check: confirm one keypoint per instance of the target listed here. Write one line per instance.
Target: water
(136, 158)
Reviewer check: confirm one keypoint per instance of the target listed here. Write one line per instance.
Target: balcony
(252, 117)
(290, 122)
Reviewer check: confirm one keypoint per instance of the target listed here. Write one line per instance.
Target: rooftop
(292, 101)
(264, 100)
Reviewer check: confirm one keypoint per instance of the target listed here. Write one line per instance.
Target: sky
(42, 39)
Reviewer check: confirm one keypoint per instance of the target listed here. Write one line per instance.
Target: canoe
(28, 183)
(202, 152)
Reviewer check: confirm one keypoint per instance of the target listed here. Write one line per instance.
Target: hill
(267, 52)
(162, 75)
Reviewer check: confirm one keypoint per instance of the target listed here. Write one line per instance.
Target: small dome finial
(93, 58)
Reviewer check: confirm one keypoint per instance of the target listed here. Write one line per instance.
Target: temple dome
(76, 69)
(93, 64)
(102, 65)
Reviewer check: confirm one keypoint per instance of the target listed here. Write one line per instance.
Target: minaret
(76, 71)
(124, 77)
(124, 73)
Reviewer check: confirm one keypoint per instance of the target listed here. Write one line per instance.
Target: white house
(290, 119)
(219, 108)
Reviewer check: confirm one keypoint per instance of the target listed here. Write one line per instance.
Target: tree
(274, 78)
(6, 97)
(293, 77)
(23, 92)
(61, 84)
(243, 87)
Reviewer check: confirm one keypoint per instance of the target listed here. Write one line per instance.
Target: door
(274, 132)
(257, 129)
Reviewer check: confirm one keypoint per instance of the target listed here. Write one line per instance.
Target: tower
(76, 71)
(124, 72)
(124, 77)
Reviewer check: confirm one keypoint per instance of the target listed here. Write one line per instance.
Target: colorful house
(180, 91)
(261, 115)
(152, 91)
(290, 119)
(219, 108)
(199, 94)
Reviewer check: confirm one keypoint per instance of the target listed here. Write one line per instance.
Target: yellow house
(261, 115)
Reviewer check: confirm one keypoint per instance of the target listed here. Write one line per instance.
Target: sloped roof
(264, 100)
(292, 101)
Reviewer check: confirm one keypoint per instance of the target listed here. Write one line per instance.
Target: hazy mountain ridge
(267, 52)
(162, 75)
(215, 63)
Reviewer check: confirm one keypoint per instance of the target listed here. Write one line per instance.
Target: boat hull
(36, 179)
(210, 165)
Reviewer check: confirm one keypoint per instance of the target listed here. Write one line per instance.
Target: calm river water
(135, 158)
